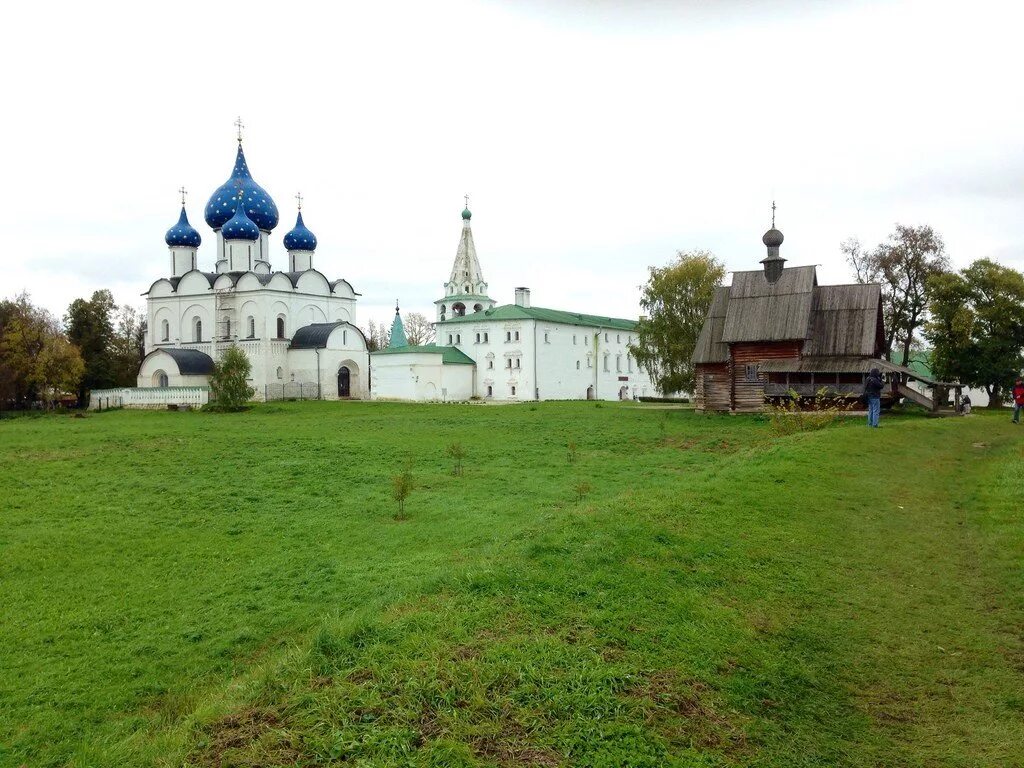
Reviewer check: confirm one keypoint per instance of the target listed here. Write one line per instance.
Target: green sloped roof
(449, 355)
(463, 297)
(920, 361)
(515, 312)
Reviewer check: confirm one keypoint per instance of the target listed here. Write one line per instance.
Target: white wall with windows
(532, 359)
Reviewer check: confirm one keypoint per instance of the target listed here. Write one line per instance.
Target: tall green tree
(977, 326)
(229, 381)
(675, 301)
(37, 362)
(90, 326)
(127, 346)
(903, 265)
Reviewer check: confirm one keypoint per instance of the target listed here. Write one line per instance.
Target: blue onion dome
(466, 214)
(183, 233)
(259, 206)
(240, 226)
(300, 238)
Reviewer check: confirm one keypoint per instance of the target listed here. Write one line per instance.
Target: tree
(377, 336)
(90, 327)
(903, 266)
(676, 300)
(977, 326)
(127, 346)
(418, 329)
(229, 380)
(36, 359)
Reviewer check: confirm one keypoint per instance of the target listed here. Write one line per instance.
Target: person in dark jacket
(1018, 399)
(873, 391)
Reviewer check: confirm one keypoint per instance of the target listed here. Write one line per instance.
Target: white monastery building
(298, 328)
(511, 352)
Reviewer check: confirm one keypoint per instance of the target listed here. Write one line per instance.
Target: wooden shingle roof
(763, 311)
(710, 347)
(844, 320)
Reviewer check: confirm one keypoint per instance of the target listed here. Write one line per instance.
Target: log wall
(749, 395)
(711, 387)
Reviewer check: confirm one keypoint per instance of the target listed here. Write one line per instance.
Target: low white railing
(147, 397)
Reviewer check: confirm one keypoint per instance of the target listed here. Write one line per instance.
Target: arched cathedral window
(165, 330)
(197, 324)
(280, 327)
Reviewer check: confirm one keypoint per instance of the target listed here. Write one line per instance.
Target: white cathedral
(298, 328)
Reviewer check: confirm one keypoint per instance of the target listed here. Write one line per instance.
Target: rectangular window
(478, 338)
(577, 365)
(490, 365)
(546, 339)
(517, 362)
(606, 338)
(629, 363)
(344, 338)
(606, 363)
(485, 338)
(517, 335)
(513, 391)
(618, 339)
(509, 361)
(458, 338)
(449, 338)
(618, 363)
(508, 335)
(751, 373)
(590, 363)
(574, 339)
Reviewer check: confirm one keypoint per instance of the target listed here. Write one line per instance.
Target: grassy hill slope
(235, 590)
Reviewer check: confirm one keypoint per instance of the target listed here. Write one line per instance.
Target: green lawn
(215, 590)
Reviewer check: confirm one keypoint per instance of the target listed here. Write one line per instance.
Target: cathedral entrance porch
(344, 381)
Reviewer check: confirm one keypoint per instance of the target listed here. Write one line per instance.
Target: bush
(401, 486)
(790, 416)
(664, 399)
(229, 384)
(457, 453)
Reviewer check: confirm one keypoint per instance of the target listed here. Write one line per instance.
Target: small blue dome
(183, 233)
(300, 238)
(259, 206)
(240, 226)
(466, 214)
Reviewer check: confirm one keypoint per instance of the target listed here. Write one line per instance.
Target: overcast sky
(595, 138)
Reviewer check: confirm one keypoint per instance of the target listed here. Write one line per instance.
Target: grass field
(215, 590)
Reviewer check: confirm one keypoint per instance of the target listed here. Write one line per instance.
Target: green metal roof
(449, 355)
(516, 312)
(920, 360)
(397, 338)
(463, 297)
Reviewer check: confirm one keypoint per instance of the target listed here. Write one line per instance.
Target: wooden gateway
(775, 331)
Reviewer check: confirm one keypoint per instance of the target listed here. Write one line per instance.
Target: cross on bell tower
(239, 125)
(183, 192)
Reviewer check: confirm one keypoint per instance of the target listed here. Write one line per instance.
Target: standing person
(873, 392)
(965, 405)
(1018, 399)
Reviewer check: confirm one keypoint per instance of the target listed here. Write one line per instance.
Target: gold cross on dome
(239, 125)
(467, 201)
(298, 196)
(183, 192)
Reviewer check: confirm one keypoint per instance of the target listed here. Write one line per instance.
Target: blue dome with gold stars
(183, 233)
(300, 238)
(259, 206)
(240, 226)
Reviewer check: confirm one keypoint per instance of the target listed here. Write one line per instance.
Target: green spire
(397, 332)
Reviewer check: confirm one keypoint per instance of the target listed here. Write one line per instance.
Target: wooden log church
(775, 331)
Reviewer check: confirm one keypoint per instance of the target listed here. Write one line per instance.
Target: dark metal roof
(191, 362)
(313, 336)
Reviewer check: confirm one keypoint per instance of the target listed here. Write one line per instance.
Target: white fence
(147, 397)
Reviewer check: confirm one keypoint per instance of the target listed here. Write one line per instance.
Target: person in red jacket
(1018, 399)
